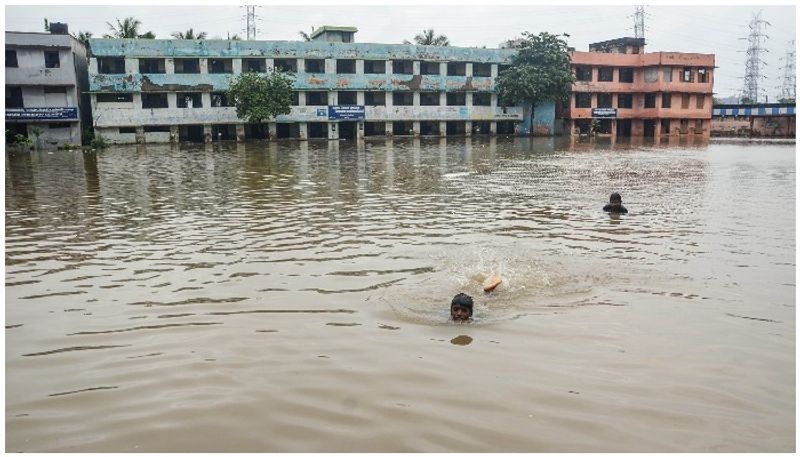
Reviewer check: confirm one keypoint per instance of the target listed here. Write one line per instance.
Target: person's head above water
(615, 199)
(615, 204)
(461, 307)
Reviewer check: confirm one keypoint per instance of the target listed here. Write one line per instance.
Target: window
(698, 125)
(583, 73)
(429, 98)
(58, 125)
(403, 67)
(155, 101)
(701, 100)
(115, 98)
(686, 75)
(152, 66)
(295, 98)
(254, 66)
(55, 90)
(375, 98)
(11, 58)
(481, 99)
(685, 101)
(650, 100)
(684, 125)
(316, 98)
(626, 75)
(219, 100)
(457, 98)
(668, 74)
(156, 129)
(665, 126)
(375, 66)
(583, 100)
(456, 69)
(127, 130)
(604, 101)
(651, 74)
(286, 65)
(402, 98)
(315, 65)
(429, 68)
(347, 98)
(220, 66)
(702, 75)
(14, 97)
(111, 65)
(187, 66)
(482, 69)
(189, 99)
(666, 100)
(605, 74)
(51, 59)
(625, 101)
(346, 66)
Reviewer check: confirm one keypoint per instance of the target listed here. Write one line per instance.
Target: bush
(99, 142)
(22, 140)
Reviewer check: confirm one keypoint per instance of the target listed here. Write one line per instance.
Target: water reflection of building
(632, 93)
(170, 90)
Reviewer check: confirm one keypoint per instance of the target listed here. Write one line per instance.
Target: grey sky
(711, 29)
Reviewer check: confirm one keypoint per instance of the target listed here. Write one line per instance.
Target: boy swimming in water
(615, 204)
(461, 308)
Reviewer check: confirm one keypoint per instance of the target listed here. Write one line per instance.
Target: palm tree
(83, 37)
(190, 35)
(304, 35)
(127, 28)
(429, 38)
(234, 37)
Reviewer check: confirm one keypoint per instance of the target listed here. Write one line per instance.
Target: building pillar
(493, 128)
(169, 66)
(360, 66)
(416, 129)
(389, 101)
(272, 130)
(571, 127)
(333, 98)
(207, 133)
(270, 64)
(301, 98)
(172, 100)
(388, 64)
(330, 65)
(93, 66)
(360, 130)
(303, 127)
(137, 100)
(495, 70)
(613, 128)
(140, 135)
(333, 131)
(442, 98)
(468, 128)
(131, 66)
(236, 66)
(493, 101)
(443, 68)
(416, 98)
(442, 128)
(594, 100)
(240, 136)
(468, 69)
(174, 133)
(657, 133)
(360, 97)
(203, 66)
(389, 128)
(301, 65)
(205, 99)
(415, 65)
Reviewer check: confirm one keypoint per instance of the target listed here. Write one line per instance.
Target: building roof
(616, 42)
(332, 28)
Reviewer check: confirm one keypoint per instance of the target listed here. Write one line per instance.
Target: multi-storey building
(46, 77)
(633, 93)
(174, 90)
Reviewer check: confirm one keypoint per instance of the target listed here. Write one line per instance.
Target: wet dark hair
(462, 300)
(615, 197)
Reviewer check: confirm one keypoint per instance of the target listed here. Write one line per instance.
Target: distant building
(633, 93)
(46, 77)
(761, 119)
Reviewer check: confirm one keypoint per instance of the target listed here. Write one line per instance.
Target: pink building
(633, 93)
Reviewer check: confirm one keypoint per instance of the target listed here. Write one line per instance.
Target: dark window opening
(288, 130)
(429, 128)
(686, 75)
(665, 126)
(187, 66)
(219, 100)
(666, 100)
(626, 75)
(457, 99)
(14, 97)
(605, 74)
(402, 98)
(684, 125)
(317, 129)
(223, 132)
(700, 101)
(58, 125)
(481, 99)
(456, 69)
(115, 98)
(156, 129)
(220, 65)
(315, 65)
(127, 130)
(685, 101)
(152, 66)
(254, 65)
(347, 98)
(346, 66)
(429, 68)
(286, 65)
(190, 100)
(316, 98)
(649, 100)
(402, 128)
(374, 128)
(604, 100)
(55, 90)
(295, 98)
(51, 59)
(583, 100)
(375, 66)
(111, 65)
(625, 101)
(583, 73)
(375, 98)
(702, 75)
(429, 98)
(11, 58)
(698, 126)
(191, 133)
(481, 128)
(506, 127)
(456, 127)
(402, 67)
(482, 69)
(256, 132)
(155, 101)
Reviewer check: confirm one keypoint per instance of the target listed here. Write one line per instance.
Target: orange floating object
(493, 282)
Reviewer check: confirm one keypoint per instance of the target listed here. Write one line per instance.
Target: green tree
(259, 97)
(190, 35)
(429, 38)
(127, 28)
(539, 71)
(83, 37)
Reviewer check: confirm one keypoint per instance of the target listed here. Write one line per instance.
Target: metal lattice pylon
(788, 83)
(251, 22)
(638, 22)
(753, 65)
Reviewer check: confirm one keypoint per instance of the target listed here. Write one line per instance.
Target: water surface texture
(294, 297)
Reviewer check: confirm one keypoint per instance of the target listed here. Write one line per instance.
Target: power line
(752, 66)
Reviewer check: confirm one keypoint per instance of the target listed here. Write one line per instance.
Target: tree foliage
(429, 38)
(259, 97)
(539, 71)
(127, 28)
(190, 35)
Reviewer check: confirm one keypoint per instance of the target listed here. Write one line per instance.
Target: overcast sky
(711, 29)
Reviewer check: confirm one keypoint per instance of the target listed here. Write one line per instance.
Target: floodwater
(294, 297)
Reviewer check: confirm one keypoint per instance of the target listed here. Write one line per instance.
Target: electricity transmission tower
(754, 62)
(251, 22)
(638, 22)
(789, 78)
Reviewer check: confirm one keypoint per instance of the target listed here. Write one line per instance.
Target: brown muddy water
(294, 297)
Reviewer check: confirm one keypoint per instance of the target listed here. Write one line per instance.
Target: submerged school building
(174, 90)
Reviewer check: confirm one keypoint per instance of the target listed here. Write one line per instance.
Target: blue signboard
(41, 113)
(346, 112)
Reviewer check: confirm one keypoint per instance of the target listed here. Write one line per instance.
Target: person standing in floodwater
(615, 204)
